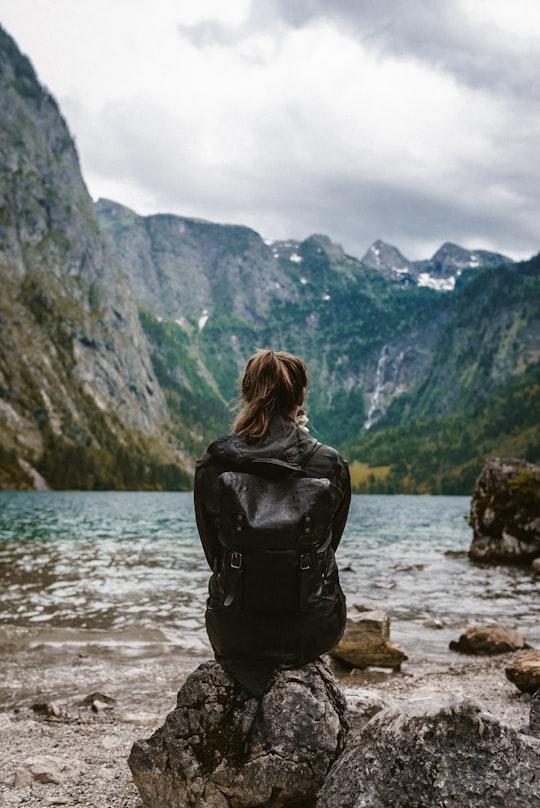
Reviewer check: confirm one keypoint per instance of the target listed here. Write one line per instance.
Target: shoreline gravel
(97, 745)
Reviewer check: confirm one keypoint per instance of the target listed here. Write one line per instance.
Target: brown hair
(272, 384)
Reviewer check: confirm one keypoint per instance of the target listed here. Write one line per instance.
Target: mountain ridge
(439, 272)
(123, 336)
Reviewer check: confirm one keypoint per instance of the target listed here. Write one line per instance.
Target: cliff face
(123, 336)
(368, 339)
(180, 267)
(74, 364)
(402, 375)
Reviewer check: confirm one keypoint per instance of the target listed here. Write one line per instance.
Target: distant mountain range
(123, 336)
(439, 272)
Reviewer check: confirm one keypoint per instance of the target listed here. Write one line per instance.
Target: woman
(267, 444)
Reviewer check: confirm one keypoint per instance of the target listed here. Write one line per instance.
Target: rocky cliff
(123, 336)
(77, 387)
(367, 338)
(440, 272)
(383, 355)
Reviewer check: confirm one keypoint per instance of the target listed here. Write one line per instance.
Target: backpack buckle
(305, 561)
(236, 560)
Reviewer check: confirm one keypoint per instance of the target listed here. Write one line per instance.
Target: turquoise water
(129, 566)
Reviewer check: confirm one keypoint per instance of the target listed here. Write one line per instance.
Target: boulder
(46, 769)
(221, 747)
(485, 640)
(366, 640)
(505, 512)
(435, 751)
(362, 705)
(524, 672)
(534, 720)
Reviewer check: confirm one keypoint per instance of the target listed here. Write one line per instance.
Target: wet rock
(505, 512)
(48, 709)
(487, 640)
(46, 769)
(220, 747)
(366, 640)
(99, 702)
(524, 672)
(435, 751)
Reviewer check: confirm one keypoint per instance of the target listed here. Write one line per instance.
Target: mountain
(309, 297)
(79, 401)
(180, 267)
(439, 272)
(123, 336)
(480, 396)
(391, 363)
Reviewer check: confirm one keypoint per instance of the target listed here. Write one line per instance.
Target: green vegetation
(197, 411)
(368, 479)
(524, 490)
(130, 465)
(444, 455)
(11, 473)
(108, 455)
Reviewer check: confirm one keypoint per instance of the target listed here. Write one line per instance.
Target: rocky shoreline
(86, 745)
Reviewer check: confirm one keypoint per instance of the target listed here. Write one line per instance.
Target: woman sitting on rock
(271, 504)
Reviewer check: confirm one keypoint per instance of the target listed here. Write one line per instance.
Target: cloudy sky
(414, 121)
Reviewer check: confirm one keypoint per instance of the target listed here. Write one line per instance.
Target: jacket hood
(285, 441)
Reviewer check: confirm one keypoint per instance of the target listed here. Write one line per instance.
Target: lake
(125, 571)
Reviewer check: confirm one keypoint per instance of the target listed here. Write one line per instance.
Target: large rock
(366, 640)
(489, 640)
(505, 512)
(524, 672)
(46, 769)
(534, 720)
(221, 748)
(445, 750)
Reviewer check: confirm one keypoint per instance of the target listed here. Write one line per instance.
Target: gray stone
(50, 709)
(505, 514)
(366, 640)
(220, 747)
(444, 750)
(363, 704)
(487, 640)
(46, 769)
(534, 721)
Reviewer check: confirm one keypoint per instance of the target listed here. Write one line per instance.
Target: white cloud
(416, 122)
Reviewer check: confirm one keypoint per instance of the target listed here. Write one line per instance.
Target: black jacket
(239, 635)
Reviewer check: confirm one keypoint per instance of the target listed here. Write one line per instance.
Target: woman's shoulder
(327, 462)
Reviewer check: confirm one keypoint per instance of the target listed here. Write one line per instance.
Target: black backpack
(275, 535)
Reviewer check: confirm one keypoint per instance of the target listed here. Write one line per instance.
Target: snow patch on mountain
(440, 272)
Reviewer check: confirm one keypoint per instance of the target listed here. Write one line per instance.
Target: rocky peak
(439, 272)
(389, 261)
(450, 260)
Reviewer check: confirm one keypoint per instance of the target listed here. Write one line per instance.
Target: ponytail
(273, 384)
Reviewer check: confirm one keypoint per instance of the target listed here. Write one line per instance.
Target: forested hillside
(410, 381)
(123, 336)
(481, 397)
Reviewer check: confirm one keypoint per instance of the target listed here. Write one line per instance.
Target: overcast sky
(414, 121)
